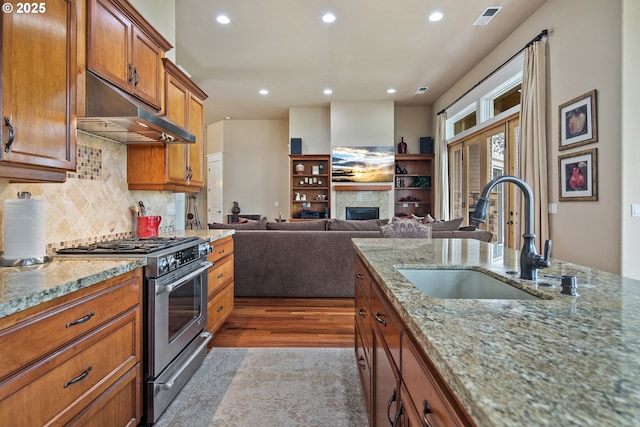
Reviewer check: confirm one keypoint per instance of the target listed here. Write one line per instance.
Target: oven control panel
(170, 262)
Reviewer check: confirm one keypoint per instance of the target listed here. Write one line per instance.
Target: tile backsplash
(93, 204)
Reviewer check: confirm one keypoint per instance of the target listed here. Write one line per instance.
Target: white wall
(313, 125)
(630, 146)
(362, 123)
(583, 53)
(412, 122)
(161, 14)
(255, 165)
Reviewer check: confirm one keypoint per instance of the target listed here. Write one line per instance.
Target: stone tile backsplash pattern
(93, 205)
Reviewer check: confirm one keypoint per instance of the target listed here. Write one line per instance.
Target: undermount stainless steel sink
(462, 284)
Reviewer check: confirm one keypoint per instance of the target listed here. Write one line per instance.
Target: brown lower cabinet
(220, 284)
(75, 360)
(400, 384)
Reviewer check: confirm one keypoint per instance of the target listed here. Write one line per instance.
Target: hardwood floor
(288, 322)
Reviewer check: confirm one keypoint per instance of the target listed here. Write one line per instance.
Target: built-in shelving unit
(310, 186)
(413, 192)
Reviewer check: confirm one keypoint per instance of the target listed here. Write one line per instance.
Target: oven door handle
(171, 381)
(160, 289)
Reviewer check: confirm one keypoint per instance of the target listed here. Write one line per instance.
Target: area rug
(237, 387)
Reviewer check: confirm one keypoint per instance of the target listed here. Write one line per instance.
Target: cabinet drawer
(221, 248)
(364, 368)
(363, 277)
(422, 387)
(35, 337)
(384, 318)
(64, 383)
(121, 405)
(220, 274)
(219, 307)
(363, 316)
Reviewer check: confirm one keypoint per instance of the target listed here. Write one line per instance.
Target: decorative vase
(235, 209)
(300, 169)
(402, 146)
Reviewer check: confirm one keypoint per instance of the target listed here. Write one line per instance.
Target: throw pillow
(406, 229)
(451, 225)
(310, 225)
(356, 225)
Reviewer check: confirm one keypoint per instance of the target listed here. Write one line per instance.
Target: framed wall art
(578, 176)
(578, 124)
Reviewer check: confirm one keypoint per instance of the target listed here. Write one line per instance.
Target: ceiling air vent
(422, 90)
(487, 15)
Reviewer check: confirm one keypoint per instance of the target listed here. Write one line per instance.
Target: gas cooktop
(132, 245)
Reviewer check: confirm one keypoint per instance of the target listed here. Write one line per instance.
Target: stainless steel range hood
(116, 115)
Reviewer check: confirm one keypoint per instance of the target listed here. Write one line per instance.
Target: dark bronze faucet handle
(547, 250)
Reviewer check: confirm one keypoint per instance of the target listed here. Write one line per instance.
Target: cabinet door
(109, 35)
(386, 394)
(146, 58)
(176, 111)
(195, 126)
(38, 87)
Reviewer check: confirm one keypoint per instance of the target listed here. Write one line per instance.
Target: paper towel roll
(24, 229)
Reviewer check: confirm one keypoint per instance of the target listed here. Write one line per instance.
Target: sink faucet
(530, 260)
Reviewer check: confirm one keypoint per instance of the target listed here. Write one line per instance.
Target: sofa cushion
(308, 225)
(244, 225)
(355, 225)
(451, 225)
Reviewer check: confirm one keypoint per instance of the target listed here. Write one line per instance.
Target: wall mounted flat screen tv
(363, 164)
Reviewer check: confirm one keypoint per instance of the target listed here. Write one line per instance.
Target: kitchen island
(559, 360)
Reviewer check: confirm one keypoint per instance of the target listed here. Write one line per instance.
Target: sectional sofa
(305, 259)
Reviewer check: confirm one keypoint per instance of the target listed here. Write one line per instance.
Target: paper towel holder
(4, 262)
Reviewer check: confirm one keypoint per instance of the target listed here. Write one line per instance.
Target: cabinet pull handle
(380, 320)
(130, 79)
(362, 363)
(398, 413)
(362, 312)
(220, 276)
(425, 410)
(359, 276)
(135, 72)
(221, 251)
(221, 308)
(12, 134)
(391, 400)
(81, 320)
(78, 378)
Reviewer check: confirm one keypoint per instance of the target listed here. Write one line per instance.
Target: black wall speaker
(296, 145)
(426, 145)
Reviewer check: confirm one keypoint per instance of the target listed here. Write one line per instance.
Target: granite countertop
(559, 361)
(25, 287)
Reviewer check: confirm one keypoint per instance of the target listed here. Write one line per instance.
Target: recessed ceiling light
(436, 16)
(391, 90)
(328, 17)
(223, 19)
(228, 117)
(327, 91)
(264, 92)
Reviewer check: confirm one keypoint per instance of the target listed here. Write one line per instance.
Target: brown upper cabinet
(173, 167)
(125, 50)
(38, 91)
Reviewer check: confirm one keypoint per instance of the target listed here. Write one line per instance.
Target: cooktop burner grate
(132, 245)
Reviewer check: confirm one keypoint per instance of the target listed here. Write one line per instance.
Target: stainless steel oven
(176, 335)
(175, 310)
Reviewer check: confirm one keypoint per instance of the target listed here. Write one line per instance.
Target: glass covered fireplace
(360, 213)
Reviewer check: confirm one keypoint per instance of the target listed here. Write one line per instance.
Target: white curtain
(533, 143)
(441, 170)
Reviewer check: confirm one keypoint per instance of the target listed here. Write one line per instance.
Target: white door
(214, 188)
